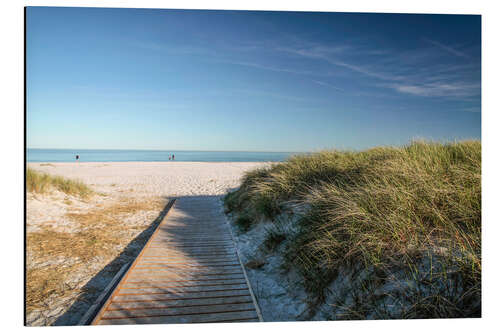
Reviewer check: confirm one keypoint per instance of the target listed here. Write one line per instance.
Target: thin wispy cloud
(447, 48)
(365, 71)
(458, 89)
(265, 67)
(328, 85)
(314, 51)
(473, 110)
(332, 55)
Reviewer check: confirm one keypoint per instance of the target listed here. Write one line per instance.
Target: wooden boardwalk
(188, 272)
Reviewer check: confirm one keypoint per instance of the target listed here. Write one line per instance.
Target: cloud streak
(447, 48)
(459, 89)
(330, 55)
(266, 67)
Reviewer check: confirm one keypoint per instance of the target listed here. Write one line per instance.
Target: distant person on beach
(77, 157)
(173, 157)
(169, 157)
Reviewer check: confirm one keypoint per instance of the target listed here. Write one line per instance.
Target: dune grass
(40, 182)
(408, 218)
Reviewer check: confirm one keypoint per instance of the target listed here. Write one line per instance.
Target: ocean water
(91, 155)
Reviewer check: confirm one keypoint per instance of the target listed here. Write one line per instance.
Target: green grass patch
(40, 182)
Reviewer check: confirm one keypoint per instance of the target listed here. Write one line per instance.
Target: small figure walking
(169, 157)
(173, 157)
(77, 157)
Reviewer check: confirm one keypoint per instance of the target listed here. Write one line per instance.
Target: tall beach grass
(403, 223)
(40, 182)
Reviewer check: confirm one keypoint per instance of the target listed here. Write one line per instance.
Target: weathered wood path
(188, 272)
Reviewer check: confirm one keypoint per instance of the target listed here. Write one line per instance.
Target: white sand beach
(128, 198)
(154, 178)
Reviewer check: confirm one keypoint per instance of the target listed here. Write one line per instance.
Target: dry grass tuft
(44, 282)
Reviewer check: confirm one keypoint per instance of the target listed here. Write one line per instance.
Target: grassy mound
(404, 224)
(41, 182)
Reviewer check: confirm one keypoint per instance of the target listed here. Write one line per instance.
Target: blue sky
(258, 81)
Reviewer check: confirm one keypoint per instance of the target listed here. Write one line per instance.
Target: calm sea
(89, 155)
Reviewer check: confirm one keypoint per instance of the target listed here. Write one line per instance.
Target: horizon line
(174, 150)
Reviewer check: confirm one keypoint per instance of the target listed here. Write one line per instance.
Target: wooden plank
(173, 254)
(199, 232)
(180, 276)
(181, 284)
(173, 276)
(146, 260)
(176, 311)
(167, 296)
(187, 255)
(147, 300)
(181, 242)
(192, 263)
(189, 247)
(193, 253)
(198, 259)
(156, 290)
(177, 243)
(185, 266)
(190, 251)
(187, 270)
(193, 318)
(201, 236)
(201, 280)
(180, 303)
